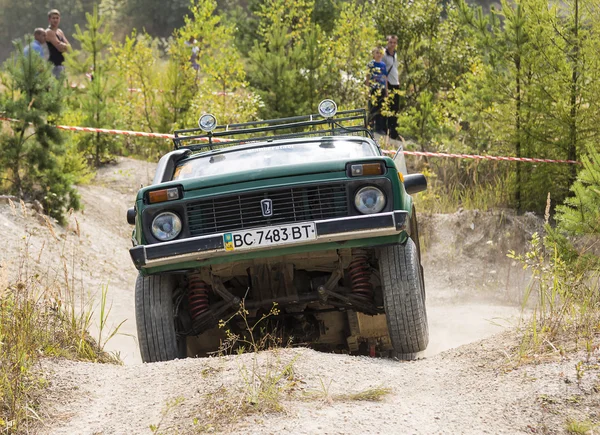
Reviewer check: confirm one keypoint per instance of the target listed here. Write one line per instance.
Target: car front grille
(237, 212)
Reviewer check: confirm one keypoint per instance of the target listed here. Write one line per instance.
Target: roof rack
(348, 122)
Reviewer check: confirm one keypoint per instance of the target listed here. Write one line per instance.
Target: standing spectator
(391, 62)
(377, 82)
(57, 42)
(195, 51)
(37, 44)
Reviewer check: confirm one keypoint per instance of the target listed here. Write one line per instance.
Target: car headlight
(166, 226)
(369, 200)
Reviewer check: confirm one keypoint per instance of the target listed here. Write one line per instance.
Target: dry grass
(375, 394)
(369, 395)
(42, 313)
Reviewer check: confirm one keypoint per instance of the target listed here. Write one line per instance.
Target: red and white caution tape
(412, 153)
(121, 132)
(112, 131)
(477, 157)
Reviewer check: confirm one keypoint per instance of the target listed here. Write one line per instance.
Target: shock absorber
(360, 275)
(197, 295)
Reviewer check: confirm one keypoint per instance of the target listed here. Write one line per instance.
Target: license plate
(269, 236)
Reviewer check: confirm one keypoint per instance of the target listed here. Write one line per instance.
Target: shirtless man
(57, 43)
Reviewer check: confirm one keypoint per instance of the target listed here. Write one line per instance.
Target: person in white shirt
(390, 59)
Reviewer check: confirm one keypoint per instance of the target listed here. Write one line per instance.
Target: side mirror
(414, 183)
(131, 216)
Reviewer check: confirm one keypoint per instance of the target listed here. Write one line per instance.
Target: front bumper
(329, 230)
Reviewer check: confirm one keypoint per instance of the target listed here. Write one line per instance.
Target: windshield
(271, 156)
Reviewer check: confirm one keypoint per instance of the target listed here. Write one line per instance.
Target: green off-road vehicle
(305, 212)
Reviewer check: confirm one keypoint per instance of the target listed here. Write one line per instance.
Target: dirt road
(473, 293)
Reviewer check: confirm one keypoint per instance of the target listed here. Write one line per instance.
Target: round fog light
(166, 226)
(327, 108)
(207, 122)
(369, 200)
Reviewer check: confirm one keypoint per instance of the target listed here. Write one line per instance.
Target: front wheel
(404, 299)
(155, 318)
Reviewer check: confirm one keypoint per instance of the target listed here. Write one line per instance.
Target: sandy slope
(472, 293)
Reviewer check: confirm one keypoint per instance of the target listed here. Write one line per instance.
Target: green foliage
(96, 98)
(528, 93)
(274, 71)
(220, 86)
(353, 38)
(580, 213)
(433, 55)
(30, 150)
(138, 66)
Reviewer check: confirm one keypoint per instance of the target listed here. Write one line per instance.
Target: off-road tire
(404, 299)
(155, 318)
(414, 235)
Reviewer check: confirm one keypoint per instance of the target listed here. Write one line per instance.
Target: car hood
(269, 173)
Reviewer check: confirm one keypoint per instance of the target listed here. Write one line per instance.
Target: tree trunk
(518, 132)
(572, 145)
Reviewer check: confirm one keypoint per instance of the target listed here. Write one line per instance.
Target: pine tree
(274, 71)
(96, 99)
(353, 38)
(580, 213)
(136, 64)
(30, 150)
(219, 86)
(504, 81)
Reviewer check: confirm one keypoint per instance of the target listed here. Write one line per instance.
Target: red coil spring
(197, 295)
(360, 274)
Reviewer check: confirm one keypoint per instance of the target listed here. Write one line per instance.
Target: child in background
(377, 82)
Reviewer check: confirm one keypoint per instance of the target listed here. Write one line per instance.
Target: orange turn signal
(163, 195)
(363, 169)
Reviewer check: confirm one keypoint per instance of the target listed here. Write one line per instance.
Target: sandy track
(466, 390)
(472, 289)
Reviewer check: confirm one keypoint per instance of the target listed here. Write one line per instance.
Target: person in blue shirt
(377, 83)
(37, 44)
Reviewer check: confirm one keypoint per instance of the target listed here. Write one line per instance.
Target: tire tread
(404, 299)
(154, 317)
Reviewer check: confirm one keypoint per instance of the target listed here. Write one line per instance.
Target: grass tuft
(368, 395)
(585, 427)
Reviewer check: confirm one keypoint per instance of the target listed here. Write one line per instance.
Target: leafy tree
(30, 150)
(96, 99)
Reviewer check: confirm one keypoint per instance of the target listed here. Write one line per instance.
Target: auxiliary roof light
(207, 122)
(327, 108)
